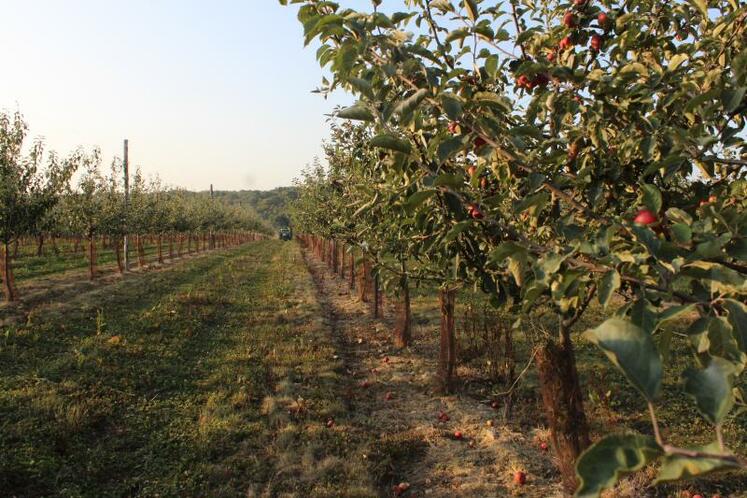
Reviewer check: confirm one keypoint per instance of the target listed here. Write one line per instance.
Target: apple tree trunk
(118, 245)
(6, 273)
(563, 405)
(159, 241)
(403, 321)
(91, 257)
(447, 346)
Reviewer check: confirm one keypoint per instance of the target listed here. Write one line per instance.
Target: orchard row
(40, 200)
(551, 154)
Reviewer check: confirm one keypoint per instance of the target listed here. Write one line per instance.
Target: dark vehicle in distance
(285, 234)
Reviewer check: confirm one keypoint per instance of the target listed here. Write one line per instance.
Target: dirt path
(392, 394)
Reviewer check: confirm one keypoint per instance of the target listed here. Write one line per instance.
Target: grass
(29, 266)
(214, 378)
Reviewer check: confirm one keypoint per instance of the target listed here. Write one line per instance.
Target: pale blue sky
(207, 92)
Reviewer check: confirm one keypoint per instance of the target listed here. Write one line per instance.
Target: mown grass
(29, 266)
(214, 378)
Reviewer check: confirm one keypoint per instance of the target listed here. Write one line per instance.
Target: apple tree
(603, 144)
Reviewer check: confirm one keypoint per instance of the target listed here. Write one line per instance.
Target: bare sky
(206, 92)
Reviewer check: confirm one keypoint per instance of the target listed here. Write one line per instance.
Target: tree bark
(171, 247)
(364, 283)
(352, 270)
(159, 241)
(403, 323)
(40, 245)
(342, 260)
(447, 350)
(376, 296)
(563, 405)
(140, 251)
(118, 242)
(6, 273)
(91, 257)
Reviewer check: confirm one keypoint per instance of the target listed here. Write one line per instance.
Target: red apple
(566, 43)
(472, 170)
(388, 396)
(543, 446)
(524, 82)
(551, 56)
(573, 150)
(453, 127)
(596, 42)
(484, 182)
(400, 488)
(602, 19)
(520, 477)
(645, 217)
(495, 404)
(579, 3)
(697, 496)
(458, 435)
(330, 422)
(386, 359)
(474, 212)
(569, 20)
(712, 199)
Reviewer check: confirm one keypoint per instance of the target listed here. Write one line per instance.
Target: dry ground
(431, 460)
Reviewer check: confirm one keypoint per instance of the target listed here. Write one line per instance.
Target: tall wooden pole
(126, 167)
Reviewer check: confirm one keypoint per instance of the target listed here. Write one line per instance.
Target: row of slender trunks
(560, 387)
(171, 244)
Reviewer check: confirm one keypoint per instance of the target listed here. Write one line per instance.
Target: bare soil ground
(392, 393)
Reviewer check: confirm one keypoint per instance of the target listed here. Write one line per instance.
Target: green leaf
(634, 67)
(732, 98)
(738, 321)
(651, 197)
(603, 464)
(677, 468)
(721, 278)
(712, 389)
(672, 313)
(387, 141)
(491, 65)
(456, 230)
(633, 351)
(607, 287)
(363, 86)
(457, 34)
(452, 105)
(679, 216)
(357, 112)
(417, 199)
(675, 61)
(472, 11)
(447, 180)
(682, 233)
(411, 103)
(505, 250)
(702, 6)
(448, 147)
